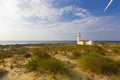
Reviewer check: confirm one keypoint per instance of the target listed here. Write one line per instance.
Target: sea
(33, 42)
(46, 42)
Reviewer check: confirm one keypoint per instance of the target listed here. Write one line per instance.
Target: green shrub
(98, 50)
(49, 64)
(99, 64)
(4, 54)
(42, 61)
(114, 77)
(18, 50)
(32, 65)
(41, 54)
(76, 54)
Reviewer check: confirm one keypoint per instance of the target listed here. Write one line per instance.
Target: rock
(27, 55)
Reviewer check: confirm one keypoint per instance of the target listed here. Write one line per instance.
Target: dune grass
(51, 65)
(93, 58)
(5, 54)
(43, 62)
(99, 64)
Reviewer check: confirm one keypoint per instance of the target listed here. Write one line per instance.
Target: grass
(43, 62)
(114, 77)
(78, 50)
(7, 51)
(51, 65)
(99, 64)
(41, 54)
(95, 58)
(5, 54)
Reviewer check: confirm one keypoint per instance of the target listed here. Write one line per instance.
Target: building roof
(84, 40)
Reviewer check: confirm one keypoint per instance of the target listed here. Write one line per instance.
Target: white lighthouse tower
(78, 38)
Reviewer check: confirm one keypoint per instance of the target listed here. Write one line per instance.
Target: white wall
(89, 43)
(81, 43)
(85, 43)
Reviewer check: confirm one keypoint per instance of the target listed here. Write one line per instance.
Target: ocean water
(41, 42)
(32, 42)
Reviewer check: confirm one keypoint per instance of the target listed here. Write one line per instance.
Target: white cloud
(43, 9)
(82, 12)
(14, 23)
(39, 8)
(89, 24)
(8, 10)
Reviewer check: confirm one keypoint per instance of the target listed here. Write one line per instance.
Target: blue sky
(59, 19)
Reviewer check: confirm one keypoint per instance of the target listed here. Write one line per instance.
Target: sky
(59, 20)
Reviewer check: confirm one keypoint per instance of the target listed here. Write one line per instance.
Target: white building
(83, 42)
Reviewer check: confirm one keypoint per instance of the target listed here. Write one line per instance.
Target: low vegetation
(99, 64)
(4, 54)
(43, 62)
(99, 59)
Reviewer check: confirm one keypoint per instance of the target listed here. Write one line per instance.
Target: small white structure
(83, 42)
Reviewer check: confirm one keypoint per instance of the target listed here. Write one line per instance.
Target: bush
(50, 65)
(44, 62)
(18, 50)
(41, 54)
(31, 65)
(76, 54)
(99, 64)
(4, 54)
(114, 77)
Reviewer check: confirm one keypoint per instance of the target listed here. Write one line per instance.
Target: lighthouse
(78, 38)
(83, 42)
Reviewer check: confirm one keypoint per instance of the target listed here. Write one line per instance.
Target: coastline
(50, 42)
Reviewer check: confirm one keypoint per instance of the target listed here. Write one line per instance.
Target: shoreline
(51, 42)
